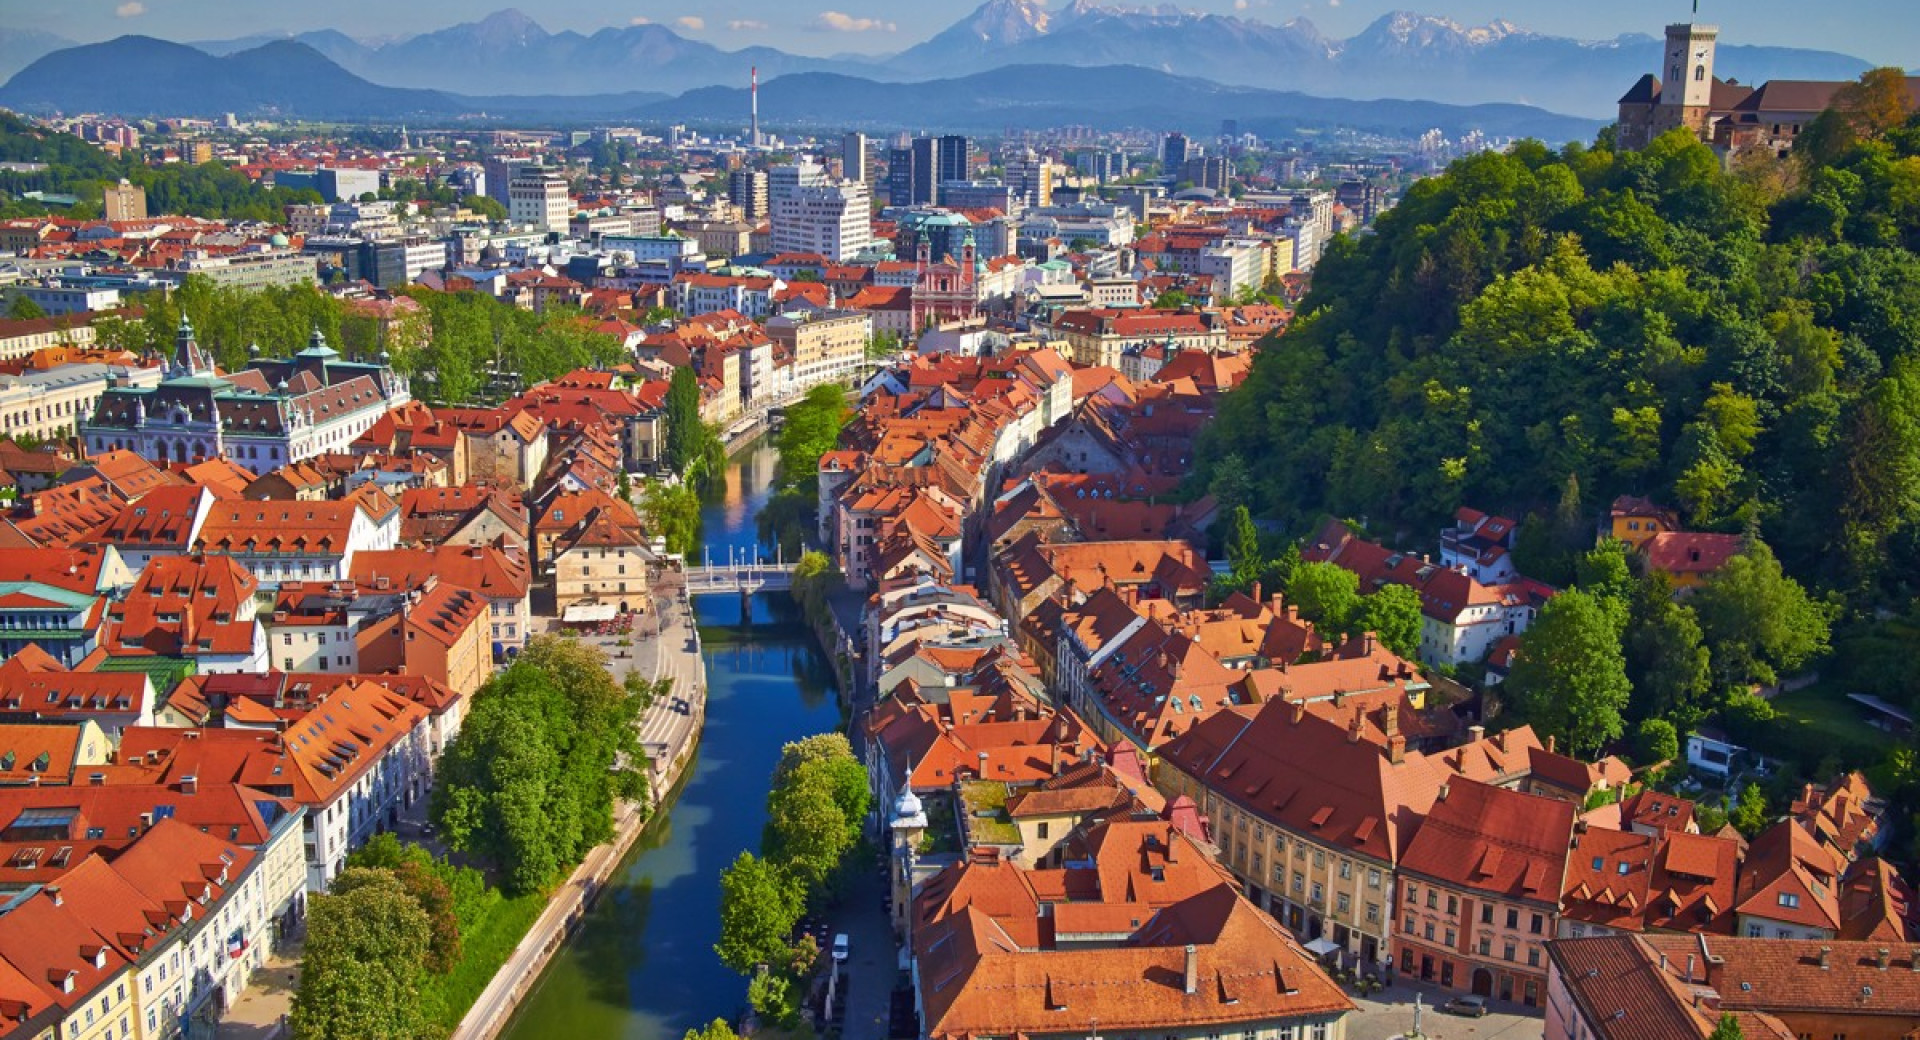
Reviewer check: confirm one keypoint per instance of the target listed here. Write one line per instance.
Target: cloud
(691, 23)
(747, 25)
(640, 19)
(131, 9)
(836, 21)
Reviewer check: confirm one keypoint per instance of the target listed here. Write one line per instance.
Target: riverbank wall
(572, 901)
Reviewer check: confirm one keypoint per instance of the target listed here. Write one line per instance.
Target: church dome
(907, 805)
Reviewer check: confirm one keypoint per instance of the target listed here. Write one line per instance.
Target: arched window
(1699, 73)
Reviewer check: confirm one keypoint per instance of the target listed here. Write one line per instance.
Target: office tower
(1173, 153)
(926, 172)
(832, 220)
(747, 190)
(900, 176)
(955, 150)
(1031, 177)
(853, 157)
(124, 201)
(538, 196)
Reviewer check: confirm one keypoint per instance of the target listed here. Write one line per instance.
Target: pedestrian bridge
(739, 574)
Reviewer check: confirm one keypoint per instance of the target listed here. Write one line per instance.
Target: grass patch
(483, 949)
(1818, 722)
(987, 820)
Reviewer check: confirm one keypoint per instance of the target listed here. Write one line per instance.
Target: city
(1101, 523)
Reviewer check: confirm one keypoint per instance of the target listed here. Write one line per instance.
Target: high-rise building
(538, 196)
(1208, 171)
(926, 172)
(900, 169)
(1173, 153)
(124, 201)
(833, 220)
(853, 157)
(499, 174)
(747, 190)
(955, 151)
(784, 181)
(1031, 177)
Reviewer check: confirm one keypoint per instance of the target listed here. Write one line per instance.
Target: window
(1428, 931)
(1346, 869)
(1537, 923)
(1452, 937)
(1754, 931)
(1533, 956)
(1407, 925)
(1373, 913)
(1790, 900)
(1486, 946)
(1486, 913)
(1510, 949)
(1433, 899)
(1344, 903)
(1373, 878)
(1043, 830)
(1513, 918)
(1453, 905)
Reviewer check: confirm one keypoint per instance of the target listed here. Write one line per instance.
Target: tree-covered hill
(1540, 331)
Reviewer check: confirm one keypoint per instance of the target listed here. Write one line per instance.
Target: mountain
(509, 51)
(1108, 97)
(283, 79)
(338, 47)
(1401, 54)
(22, 47)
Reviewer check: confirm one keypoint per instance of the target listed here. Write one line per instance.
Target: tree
(683, 421)
(759, 905)
(1393, 614)
(806, 831)
(718, 1029)
(486, 206)
(1327, 594)
(1243, 551)
(1569, 678)
(417, 872)
(1758, 623)
(1669, 666)
(1860, 111)
(1749, 817)
(1656, 741)
(24, 309)
(1172, 300)
(361, 971)
(1728, 1028)
(771, 995)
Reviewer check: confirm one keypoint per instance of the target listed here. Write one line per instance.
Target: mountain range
(291, 80)
(1401, 54)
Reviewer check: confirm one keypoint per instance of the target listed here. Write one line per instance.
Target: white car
(840, 948)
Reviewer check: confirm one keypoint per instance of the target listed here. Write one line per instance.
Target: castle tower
(1686, 90)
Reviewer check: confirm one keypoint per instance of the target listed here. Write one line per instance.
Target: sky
(1881, 31)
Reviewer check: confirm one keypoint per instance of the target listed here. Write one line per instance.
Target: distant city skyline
(1879, 31)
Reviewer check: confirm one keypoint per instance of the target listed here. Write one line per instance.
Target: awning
(1321, 947)
(580, 612)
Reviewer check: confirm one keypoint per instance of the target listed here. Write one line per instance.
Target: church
(273, 412)
(1730, 116)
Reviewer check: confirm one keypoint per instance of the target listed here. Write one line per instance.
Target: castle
(1731, 116)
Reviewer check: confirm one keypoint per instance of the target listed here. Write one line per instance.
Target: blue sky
(1881, 31)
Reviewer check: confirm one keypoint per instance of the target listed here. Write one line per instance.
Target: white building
(537, 196)
(834, 221)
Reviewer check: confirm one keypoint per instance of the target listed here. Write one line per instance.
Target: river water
(643, 966)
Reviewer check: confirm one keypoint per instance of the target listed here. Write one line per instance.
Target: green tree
(718, 1029)
(1327, 594)
(759, 905)
(1666, 659)
(1171, 300)
(1749, 817)
(806, 832)
(1393, 614)
(1758, 623)
(1656, 741)
(1728, 1028)
(487, 207)
(1569, 678)
(1244, 554)
(365, 950)
(771, 994)
(22, 308)
(417, 872)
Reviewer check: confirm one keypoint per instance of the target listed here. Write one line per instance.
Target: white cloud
(747, 25)
(131, 9)
(691, 23)
(836, 21)
(640, 19)
(1333, 3)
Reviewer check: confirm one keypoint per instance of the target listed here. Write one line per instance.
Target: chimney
(1193, 968)
(53, 893)
(1256, 591)
(1883, 957)
(1391, 724)
(1826, 957)
(1396, 747)
(1299, 711)
(1053, 757)
(1550, 742)
(1913, 959)
(1689, 969)
(1663, 964)
(1353, 728)
(1476, 733)
(1444, 789)
(189, 784)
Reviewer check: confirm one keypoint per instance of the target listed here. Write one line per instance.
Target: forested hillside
(1537, 332)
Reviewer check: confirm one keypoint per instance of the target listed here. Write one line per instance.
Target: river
(643, 966)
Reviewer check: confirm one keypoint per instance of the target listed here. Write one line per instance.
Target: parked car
(1466, 1007)
(840, 948)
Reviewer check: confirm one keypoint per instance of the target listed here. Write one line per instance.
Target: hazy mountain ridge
(1401, 54)
(290, 79)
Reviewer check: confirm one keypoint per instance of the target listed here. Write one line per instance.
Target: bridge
(741, 574)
